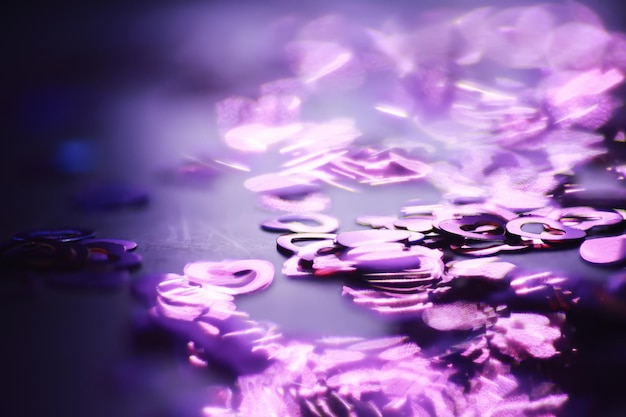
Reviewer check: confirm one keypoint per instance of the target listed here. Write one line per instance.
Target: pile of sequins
(393, 376)
(69, 257)
(491, 315)
(497, 148)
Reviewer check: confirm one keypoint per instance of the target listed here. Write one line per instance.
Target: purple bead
(480, 227)
(232, 277)
(553, 230)
(286, 244)
(312, 250)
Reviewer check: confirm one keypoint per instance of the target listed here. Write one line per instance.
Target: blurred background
(72, 70)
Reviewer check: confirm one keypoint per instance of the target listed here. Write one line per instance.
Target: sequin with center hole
(479, 227)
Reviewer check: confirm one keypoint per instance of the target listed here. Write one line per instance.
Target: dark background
(137, 83)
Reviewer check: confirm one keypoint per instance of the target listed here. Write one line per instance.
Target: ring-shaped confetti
(293, 268)
(294, 223)
(59, 235)
(232, 277)
(560, 232)
(586, 218)
(286, 244)
(604, 250)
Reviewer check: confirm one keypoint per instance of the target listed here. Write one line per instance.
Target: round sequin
(553, 231)
(287, 243)
(604, 250)
(479, 227)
